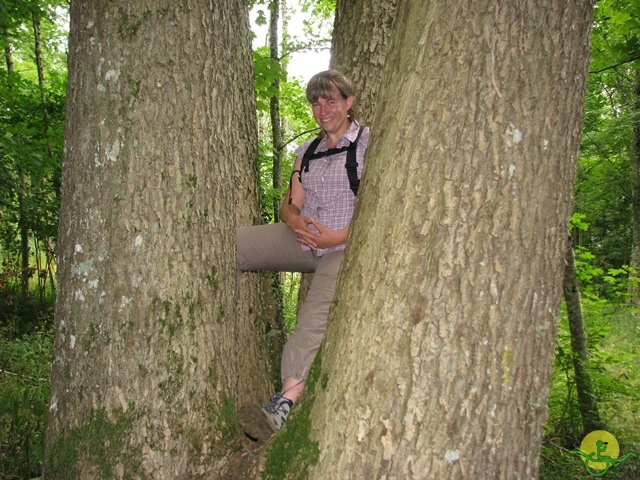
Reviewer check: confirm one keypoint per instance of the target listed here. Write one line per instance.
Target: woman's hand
(308, 231)
(300, 224)
(320, 236)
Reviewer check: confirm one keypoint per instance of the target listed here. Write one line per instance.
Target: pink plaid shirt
(329, 199)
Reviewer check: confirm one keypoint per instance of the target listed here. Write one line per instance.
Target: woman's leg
(274, 247)
(302, 346)
(271, 247)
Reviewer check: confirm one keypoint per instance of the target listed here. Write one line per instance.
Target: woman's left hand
(323, 238)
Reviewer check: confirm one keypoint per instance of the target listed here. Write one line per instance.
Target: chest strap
(351, 164)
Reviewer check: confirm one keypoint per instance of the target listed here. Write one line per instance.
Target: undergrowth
(613, 332)
(24, 395)
(26, 347)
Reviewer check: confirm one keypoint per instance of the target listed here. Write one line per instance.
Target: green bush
(25, 365)
(613, 331)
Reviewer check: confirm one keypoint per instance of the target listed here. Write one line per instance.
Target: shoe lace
(275, 404)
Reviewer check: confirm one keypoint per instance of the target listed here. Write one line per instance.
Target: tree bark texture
(587, 403)
(153, 351)
(439, 346)
(363, 60)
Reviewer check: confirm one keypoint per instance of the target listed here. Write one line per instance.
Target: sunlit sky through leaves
(302, 64)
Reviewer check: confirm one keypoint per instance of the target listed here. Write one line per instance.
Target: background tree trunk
(39, 65)
(364, 60)
(274, 107)
(23, 226)
(279, 334)
(152, 351)
(437, 357)
(587, 403)
(634, 160)
(8, 57)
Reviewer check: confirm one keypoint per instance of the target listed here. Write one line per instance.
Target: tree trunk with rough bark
(437, 357)
(155, 345)
(364, 60)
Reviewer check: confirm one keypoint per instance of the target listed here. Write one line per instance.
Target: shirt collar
(348, 137)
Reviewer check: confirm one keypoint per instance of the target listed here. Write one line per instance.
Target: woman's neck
(334, 137)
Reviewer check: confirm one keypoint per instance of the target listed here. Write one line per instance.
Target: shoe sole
(255, 423)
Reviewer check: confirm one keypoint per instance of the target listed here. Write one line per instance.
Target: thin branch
(6, 372)
(616, 65)
(296, 137)
(320, 45)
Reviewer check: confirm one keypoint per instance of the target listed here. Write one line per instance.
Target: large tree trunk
(152, 350)
(587, 403)
(438, 352)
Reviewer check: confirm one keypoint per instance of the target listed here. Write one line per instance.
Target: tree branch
(296, 137)
(629, 60)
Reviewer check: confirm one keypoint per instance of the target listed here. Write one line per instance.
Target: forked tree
(437, 357)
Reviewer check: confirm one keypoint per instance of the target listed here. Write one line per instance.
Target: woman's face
(331, 113)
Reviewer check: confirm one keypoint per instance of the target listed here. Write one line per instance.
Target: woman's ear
(349, 102)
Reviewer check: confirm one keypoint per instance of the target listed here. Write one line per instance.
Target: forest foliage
(32, 101)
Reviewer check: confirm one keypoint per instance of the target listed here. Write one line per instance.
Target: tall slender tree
(635, 189)
(274, 104)
(23, 225)
(31, 142)
(587, 403)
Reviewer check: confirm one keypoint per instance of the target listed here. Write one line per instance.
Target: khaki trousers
(274, 247)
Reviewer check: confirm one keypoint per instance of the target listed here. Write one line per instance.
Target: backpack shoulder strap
(352, 163)
(304, 162)
(308, 154)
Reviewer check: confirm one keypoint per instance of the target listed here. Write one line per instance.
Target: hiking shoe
(262, 421)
